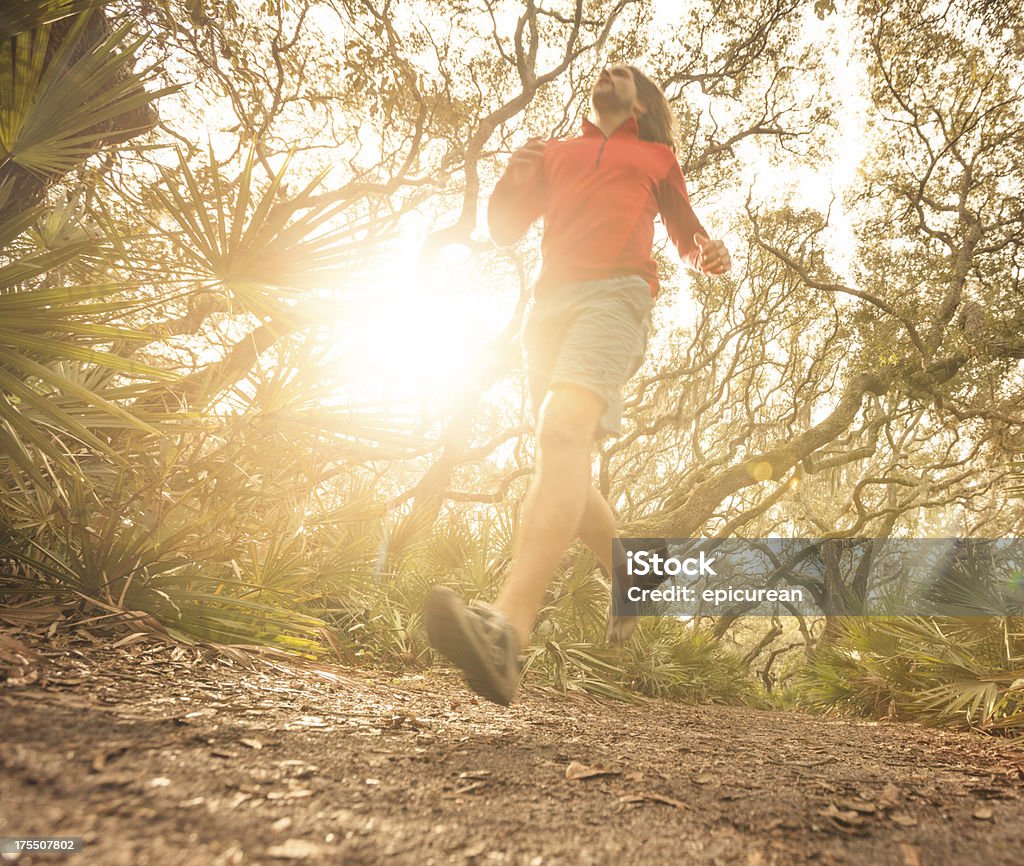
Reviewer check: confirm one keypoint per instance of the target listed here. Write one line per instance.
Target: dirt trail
(163, 755)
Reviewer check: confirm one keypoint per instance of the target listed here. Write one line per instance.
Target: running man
(583, 337)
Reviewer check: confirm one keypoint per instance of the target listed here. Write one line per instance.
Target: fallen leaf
(251, 743)
(990, 792)
(295, 849)
(298, 794)
(911, 854)
(576, 771)
(144, 619)
(861, 806)
(308, 722)
(236, 655)
(474, 851)
(704, 779)
(890, 795)
(903, 820)
(404, 720)
(465, 789)
(101, 758)
(653, 798)
(133, 638)
(849, 817)
(983, 813)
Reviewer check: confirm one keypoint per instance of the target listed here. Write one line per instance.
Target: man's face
(614, 90)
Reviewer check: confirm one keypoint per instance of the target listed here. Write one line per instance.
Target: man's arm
(518, 198)
(685, 230)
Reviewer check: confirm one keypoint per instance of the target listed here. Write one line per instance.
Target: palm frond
(959, 672)
(28, 14)
(263, 247)
(53, 105)
(46, 333)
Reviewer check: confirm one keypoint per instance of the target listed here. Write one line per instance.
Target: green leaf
(51, 105)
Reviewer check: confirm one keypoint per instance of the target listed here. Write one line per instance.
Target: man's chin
(606, 102)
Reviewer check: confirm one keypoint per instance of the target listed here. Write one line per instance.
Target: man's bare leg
(597, 531)
(554, 503)
(597, 528)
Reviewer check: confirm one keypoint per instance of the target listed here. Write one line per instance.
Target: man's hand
(526, 162)
(714, 257)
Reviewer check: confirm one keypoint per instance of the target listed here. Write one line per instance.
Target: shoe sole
(443, 614)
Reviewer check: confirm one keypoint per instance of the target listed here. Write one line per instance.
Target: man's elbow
(503, 232)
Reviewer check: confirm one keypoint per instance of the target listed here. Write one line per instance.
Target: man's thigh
(571, 410)
(591, 336)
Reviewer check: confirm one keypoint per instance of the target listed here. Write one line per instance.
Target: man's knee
(569, 418)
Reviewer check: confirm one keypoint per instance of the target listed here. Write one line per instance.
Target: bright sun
(415, 336)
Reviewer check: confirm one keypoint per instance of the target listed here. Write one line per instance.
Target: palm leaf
(52, 107)
(28, 14)
(261, 247)
(57, 370)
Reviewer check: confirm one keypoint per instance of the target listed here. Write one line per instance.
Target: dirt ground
(159, 754)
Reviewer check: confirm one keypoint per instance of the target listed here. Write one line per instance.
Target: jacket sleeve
(679, 218)
(513, 207)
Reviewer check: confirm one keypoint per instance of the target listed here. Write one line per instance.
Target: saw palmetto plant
(966, 672)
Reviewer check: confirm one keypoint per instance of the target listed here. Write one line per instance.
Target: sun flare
(416, 334)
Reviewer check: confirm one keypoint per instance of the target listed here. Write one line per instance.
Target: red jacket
(599, 197)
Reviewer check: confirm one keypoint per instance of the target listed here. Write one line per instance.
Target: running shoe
(478, 639)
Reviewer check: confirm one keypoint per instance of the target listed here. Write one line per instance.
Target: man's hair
(657, 123)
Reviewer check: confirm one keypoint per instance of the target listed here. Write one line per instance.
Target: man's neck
(608, 122)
